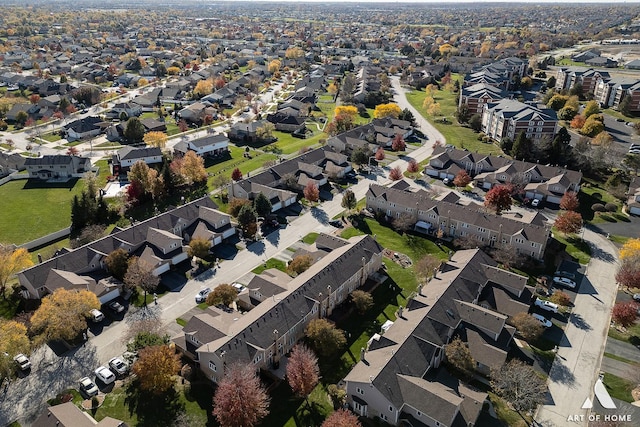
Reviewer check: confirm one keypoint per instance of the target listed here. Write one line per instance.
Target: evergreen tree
(522, 147)
(262, 205)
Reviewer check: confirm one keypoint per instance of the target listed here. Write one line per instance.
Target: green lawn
(508, 415)
(31, 209)
(617, 387)
(454, 133)
(575, 247)
(310, 238)
(288, 144)
(591, 193)
(631, 335)
(271, 263)
(235, 159)
(51, 137)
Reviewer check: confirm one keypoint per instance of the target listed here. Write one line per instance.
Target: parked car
(546, 305)
(562, 273)
(118, 366)
(116, 306)
(563, 281)
(96, 316)
(636, 297)
(535, 203)
(447, 181)
(336, 223)
(543, 320)
(239, 287)
(23, 361)
(105, 375)
(88, 387)
(202, 295)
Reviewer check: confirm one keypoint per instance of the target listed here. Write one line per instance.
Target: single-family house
(84, 128)
(210, 145)
(69, 415)
(126, 157)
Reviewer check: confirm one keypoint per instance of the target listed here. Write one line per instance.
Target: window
(212, 366)
(519, 240)
(390, 408)
(465, 225)
(533, 244)
(359, 391)
(383, 417)
(418, 413)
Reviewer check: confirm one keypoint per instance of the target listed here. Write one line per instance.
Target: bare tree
(140, 274)
(426, 265)
(519, 385)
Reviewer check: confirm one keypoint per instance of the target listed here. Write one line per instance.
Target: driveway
(580, 353)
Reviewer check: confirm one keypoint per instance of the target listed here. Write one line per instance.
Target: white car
(238, 287)
(88, 387)
(23, 361)
(543, 320)
(202, 295)
(546, 305)
(636, 297)
(105, 375)
(118, 366)
(563, 281)
(535, 203)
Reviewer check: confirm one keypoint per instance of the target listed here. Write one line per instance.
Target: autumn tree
(568, 222)
(628, 273)
(426, 266)
(380, 154)
(625, 313)
(413, 166)
(349, 201)
(593, 125)
(203, 88)
(236, 204)
(362, 300)
(462, 179)
(560, 298)
(63, 314)
(240, 400)
(311, 191)
(518, 384)
(324, 337)
(262, 205)
(529, 328)
(190, 168)
(630, 249)
(12, 261)
(133, 131)
(459, 357)
(395, 174)
(13, 340)
(199, 247)
(299, 264)
(498, 198)
(569, 201)
(265, 132)
(155, 368)
(303, 373)
(222, 294)
(398, 143)
(183, 126)
(603, 139)
(590, 108)
(236, 175)
(341, 418)
(387, 110)
(140, 275)
(155, 139)
(117, 263)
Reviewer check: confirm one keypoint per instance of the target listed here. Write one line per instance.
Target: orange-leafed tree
(155, 368)
(568, 222)
(498, 198)
(190, 168)
(311, 192)
(462, 179)
(569, 201)
(155, 139)
(342, 418)
(395, 174)
(380, 154)
(302, 371)
(240, 400)
(11, 262)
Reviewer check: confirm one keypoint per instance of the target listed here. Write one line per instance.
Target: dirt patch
(635, 393)
(397, 257)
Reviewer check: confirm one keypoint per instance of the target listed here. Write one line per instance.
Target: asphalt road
(579, 357)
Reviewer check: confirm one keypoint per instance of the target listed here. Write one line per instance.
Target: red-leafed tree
(398, 143)
(342, 418)
(629, 272)
(236, 175)
(413, 166)
(240, 400)
(625, 313)
(183, 126)
(498, 198)
(302, 371)
(569, 201)
(380, 155)
(568, 222)
(72, 151)
(462, 179)
(311, 191)
(395, 174)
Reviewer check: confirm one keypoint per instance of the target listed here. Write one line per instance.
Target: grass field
(236, 159)
(31, 209)
(454, 133)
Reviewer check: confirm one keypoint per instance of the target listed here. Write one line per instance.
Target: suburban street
(577, 365)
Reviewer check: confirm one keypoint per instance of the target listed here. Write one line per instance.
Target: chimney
(435, 272)
(362, 352)
(39, 258)
(400, 312)
(450, 255)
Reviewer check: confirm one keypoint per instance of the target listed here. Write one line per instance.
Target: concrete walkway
(577, 366)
